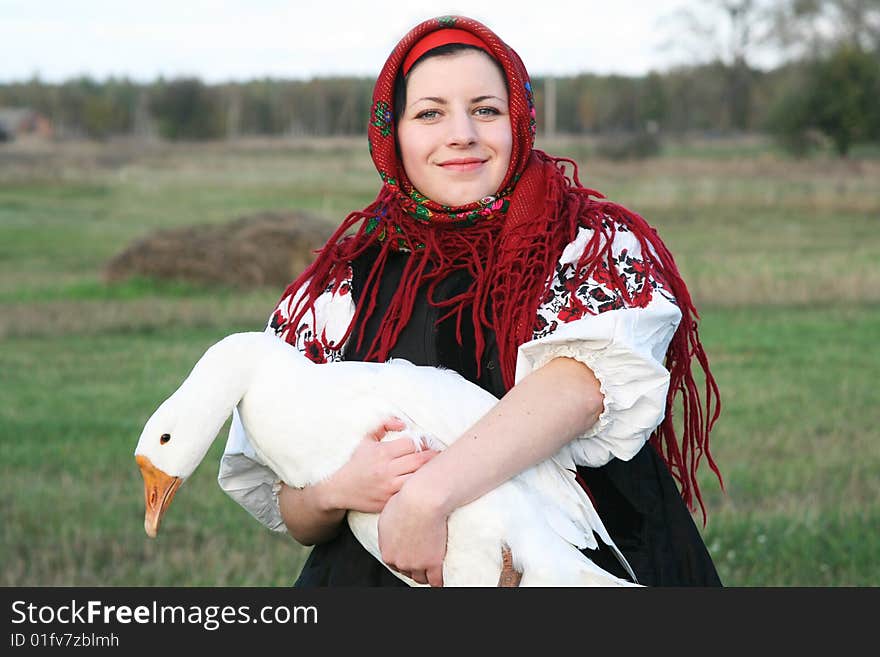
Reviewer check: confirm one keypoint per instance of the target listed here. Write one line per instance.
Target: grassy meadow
(782, 258)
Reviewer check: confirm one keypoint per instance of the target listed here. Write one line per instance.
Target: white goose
(542, 515)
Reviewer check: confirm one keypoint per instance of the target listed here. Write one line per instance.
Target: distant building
(17, 122)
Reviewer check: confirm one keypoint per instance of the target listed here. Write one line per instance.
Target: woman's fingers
(398, 447)
(398, 482)
(510, 576)
(391, 424)
(376, 469)
(409, 463)
(434, 576)
(422, 576)
(418, 576)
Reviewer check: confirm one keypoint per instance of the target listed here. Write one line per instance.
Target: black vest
(638, 500)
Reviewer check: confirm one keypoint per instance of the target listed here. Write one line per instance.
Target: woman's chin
(458, 200)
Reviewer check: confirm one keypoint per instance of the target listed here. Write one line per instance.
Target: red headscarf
(509, 244)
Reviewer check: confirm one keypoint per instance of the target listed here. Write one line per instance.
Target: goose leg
(509, 575)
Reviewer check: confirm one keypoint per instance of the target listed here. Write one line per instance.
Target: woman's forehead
(469, 71)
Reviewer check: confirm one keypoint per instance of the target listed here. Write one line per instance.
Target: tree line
(827, 91)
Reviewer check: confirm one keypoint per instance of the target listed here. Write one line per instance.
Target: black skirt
(637, 500)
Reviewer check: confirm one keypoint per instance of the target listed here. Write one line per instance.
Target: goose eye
(165, 438)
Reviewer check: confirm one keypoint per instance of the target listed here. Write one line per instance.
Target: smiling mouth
(462, 164)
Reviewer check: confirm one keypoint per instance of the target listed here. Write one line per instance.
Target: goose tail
(567, 508)
(582, 572)
(547, 560)
(548, 534)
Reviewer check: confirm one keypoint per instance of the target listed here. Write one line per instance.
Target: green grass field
(783, 259)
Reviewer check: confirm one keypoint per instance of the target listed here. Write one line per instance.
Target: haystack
(266, 249)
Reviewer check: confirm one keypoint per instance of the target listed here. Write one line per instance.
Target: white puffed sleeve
(243, 475)
(247, 480)
(624, 344)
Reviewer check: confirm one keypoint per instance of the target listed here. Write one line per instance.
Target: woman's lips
(462, 164)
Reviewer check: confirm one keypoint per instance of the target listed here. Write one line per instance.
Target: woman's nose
(462, 131)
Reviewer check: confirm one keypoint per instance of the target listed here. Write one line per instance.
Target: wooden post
(550, 106)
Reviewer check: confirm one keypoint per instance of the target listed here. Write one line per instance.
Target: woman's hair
(439, 51)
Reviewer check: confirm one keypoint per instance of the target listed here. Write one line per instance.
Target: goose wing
(439, 402)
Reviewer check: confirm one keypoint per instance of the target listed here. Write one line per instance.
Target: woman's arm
(307, 517)
(546, 410)
(374, 473)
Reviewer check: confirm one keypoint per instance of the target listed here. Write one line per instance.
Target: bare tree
(730, 32)
(727, 31)
(811, 28)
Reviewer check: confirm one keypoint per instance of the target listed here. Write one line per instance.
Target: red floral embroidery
(571, 297)
(310, 337)
(278, 322)
(314, 351)
(574, 310)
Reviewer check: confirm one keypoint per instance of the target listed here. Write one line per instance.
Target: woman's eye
(486, 111)
(428, 114)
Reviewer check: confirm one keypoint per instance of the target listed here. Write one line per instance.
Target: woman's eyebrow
(432, 99)
(443, 101)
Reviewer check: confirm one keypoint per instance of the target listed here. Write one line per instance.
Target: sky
(245, 39)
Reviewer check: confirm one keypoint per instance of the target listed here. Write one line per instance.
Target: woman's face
(454, 133)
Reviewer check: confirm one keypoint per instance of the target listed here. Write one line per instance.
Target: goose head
(170, 448)
(179, 433)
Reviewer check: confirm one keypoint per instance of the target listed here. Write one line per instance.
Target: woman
(482, 255)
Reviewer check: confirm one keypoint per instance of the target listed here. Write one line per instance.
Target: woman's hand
(412, 536)
(375, 471)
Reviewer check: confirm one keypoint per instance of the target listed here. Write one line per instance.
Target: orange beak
(159, 489)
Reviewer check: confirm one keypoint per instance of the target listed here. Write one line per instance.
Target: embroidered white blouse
(624, 344)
